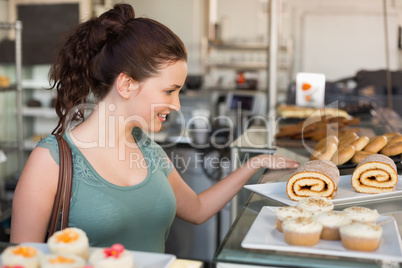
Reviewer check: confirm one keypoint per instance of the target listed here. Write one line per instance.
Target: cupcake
(115, 256)
(283, 213)
(62, 261)
(23, 256)
(316, 204)
(361, 236)
(331, 222)
(301, 231)
(70, 240)
(361, 214)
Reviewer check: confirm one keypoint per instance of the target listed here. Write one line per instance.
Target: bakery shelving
(12, 144)
(16, 87)
(224, 56)
(39, 116)
(45, 112)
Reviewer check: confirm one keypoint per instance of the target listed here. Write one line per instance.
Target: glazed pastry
(344, 155)
(322, 144)
(375, 174)
(325, 154)
(315, 178)
(359, 156)
(360, 143)
(392, 149)
(376, 144)
(347, 139)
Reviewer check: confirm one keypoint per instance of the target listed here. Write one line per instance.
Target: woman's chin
(156, 129)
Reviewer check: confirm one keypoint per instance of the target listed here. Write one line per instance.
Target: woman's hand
(274, 162)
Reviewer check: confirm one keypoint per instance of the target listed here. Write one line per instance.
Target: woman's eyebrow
(174, 86)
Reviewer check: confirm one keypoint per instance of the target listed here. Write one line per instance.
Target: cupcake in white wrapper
(316, 204)
(361, 214)
(115, 256)
(283, 213)
(301, 231)
(62, 261)
(331, 222)
(70, 240)
(361, 236)
(24, 256)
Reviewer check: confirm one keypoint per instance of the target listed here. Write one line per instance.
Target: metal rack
(17, 87)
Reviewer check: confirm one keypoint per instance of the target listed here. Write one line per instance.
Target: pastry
(392, 149)
(359, 156)
(376, 144)
(376, 173)
(347, 139)
(316, 204)
(323, 143)
(392, 135)
(344, 155)
(360, 143)
(292, 111)
(62, 261)
(361, 214)
(361, 236)
(70, 240)
(325, 154)
(284, 213)
(4, 81)
(314, 178)
(331, 222)
(395, 139)
(301, 231)
(22, 256)
(115, 256)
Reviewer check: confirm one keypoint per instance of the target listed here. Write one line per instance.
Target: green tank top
(138, 216)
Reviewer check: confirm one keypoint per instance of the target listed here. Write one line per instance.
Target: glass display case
(231, 252)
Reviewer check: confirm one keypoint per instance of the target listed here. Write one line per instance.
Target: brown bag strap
(61, 203)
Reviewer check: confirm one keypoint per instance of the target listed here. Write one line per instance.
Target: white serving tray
(141, 259)
(345, 194)
(264, 235)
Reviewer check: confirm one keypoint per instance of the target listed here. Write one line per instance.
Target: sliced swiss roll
(375, 174)
(315, 178)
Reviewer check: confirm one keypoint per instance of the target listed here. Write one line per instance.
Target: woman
(125, 189)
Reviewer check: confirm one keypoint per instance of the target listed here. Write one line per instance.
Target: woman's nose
(175, 104)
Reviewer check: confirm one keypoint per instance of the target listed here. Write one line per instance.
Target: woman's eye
(169, 92)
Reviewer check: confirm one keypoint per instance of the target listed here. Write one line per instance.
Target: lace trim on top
(153, 152)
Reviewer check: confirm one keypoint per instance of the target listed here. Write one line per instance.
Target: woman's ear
(125, 84)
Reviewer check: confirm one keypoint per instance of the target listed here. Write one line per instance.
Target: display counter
(231, 253)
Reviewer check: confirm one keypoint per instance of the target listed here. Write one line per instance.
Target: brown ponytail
(98, 50)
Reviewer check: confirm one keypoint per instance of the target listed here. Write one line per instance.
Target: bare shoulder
(33, 197)
(40, 170)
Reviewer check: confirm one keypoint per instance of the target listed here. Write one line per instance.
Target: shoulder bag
(61, 205)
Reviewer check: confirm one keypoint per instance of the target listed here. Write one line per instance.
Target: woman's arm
(33, 198)
(199, 208)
